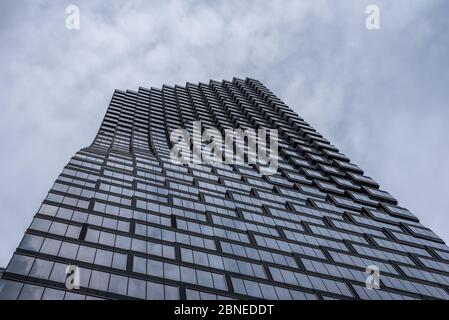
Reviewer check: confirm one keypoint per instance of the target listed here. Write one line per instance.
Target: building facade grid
(138, 226)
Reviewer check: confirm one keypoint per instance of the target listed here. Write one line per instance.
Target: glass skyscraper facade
(137, 226)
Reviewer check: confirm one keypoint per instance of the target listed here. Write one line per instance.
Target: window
(155, 291)
(31, 242)
(40, 224)
(31, 292)
(223, 263)
(103, 258)
(118, 284)
(92, 235)
(20, 264)
(74, 296)
(137, 288)
(58, 273)
(48, 210)
(10, 290)
(68, 250)
(266, 291)
(53, 294)
(204, 278)
(171, 271)
(99, 280)
(119, 261)
(86, 254)
(41, 269)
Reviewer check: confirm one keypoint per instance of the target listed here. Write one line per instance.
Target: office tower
(134, 225)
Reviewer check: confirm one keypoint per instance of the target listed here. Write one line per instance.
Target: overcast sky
(380, 96)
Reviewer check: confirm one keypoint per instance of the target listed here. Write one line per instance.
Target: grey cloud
(379, 96)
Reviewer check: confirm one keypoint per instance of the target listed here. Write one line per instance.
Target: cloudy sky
(380, 96)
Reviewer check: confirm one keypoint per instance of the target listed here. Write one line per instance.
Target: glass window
(216, 262)
(168, 236)
(73, 232)
(154, 248)
(58, 273)
(68, 250)
(245, 267)
(86, 254)
(119, 261)
(80, 217)
(238, 285)
(54, 197)
(98, 206)
(139, 245)
(48, 210)
(40, 224)
(99, 280)
(31, 242)
(103, 258)
(58, 228)
(9, 290)
(41, 269)
(110, 209)
(230, 264)
(95, 220)
(268, 292)
(140, 229)
(155, 233)
(107, 238)
(187, 255)
(204, 278)
(123, 242)
(289, 277)
(118, 284)
(192, 295)
(92, 235)
(171, 293)
(53, 294)
(140, 265)
(74, 296)
(171, 271)
(65, 213)
(123, 226)
(31, 292)
(20, 264)
(136, 288)
(110, 223)
(200, 258)
(155, 291)
(182, 238)
(283, 293)
(258, 271)
(155, 268)
(188, 275)
(84, 277)
(93, 298)
(219, 281)
(253, 288)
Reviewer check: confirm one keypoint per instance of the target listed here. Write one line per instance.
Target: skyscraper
(132, 224)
